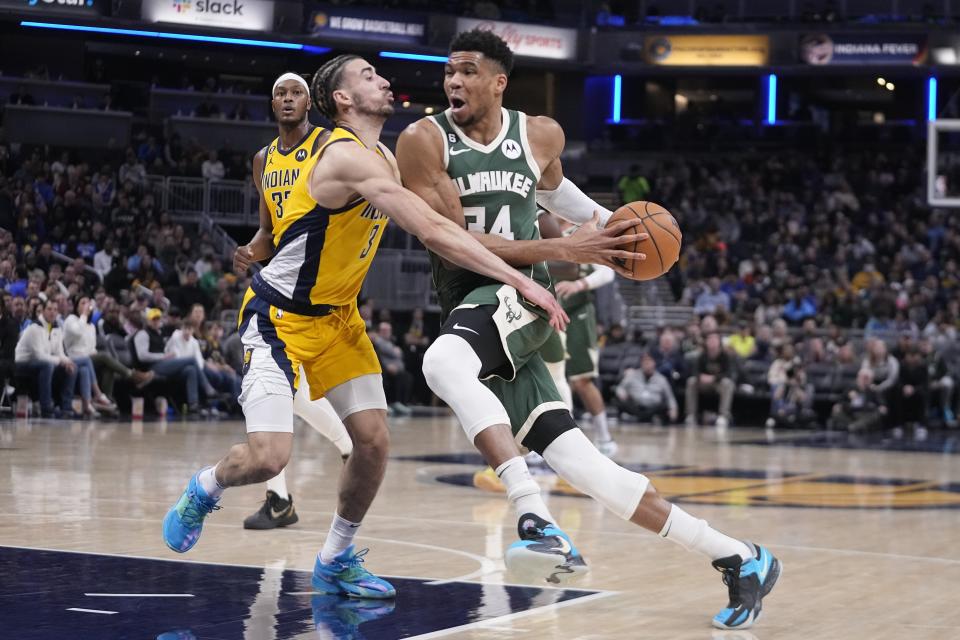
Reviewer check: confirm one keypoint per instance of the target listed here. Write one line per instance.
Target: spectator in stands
(884, 368)
(713, 371)
(397, 381)
(763, 346)
(792, 401)
(711, 300)
(80, 345)
(742, 343)
(18, 312)
(104, 190)
(132, 170)
(189, 293)
(149, 351)
(209, 280)
(9, 335)
(212, 168)
(946, 376)
(867, 278)
(799, 307)
(39, 353)
(862, 410)
(222, 375)
(142, 262)
(415, 343)
(633, 186)
(148, 151)
(913, 389)
(646, 394)
(669, 359)
(183, 344)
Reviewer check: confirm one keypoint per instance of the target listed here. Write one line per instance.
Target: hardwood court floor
(868, 536)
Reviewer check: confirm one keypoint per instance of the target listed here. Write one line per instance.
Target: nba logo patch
(301, 155)
(247, 357)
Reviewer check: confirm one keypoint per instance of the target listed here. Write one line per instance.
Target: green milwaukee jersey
(497, 183)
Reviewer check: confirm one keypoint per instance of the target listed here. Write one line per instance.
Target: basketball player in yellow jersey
(328, 206)
(291, 105)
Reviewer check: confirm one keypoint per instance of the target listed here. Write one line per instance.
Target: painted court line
(499, 620)
(139, 595)
(106, 613)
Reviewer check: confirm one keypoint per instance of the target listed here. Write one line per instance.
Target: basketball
(662, 248)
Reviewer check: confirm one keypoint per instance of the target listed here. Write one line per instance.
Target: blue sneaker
(341, 617)
(748, 582)
(184, 522)
(544, 553)
(346, 576)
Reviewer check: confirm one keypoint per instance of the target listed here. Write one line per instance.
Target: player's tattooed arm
(261, 246)
(420, 158)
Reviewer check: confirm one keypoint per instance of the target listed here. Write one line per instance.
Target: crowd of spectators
(803, 264)
(102, 290)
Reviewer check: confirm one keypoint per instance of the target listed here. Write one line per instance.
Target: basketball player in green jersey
(487, 168)
(580, 342)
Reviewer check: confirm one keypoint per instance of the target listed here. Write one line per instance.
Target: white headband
(290, 76)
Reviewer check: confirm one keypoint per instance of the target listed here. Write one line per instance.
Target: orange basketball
(662, 248)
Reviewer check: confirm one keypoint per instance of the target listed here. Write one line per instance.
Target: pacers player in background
(290, 102)
(328, 200)
(488, 168)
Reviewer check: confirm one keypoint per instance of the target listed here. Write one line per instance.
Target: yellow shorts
(333, 349)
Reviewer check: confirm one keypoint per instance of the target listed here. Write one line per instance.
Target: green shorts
(524, 330)
(582, 343)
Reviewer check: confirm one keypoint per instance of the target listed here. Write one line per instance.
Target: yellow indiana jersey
(321, 255)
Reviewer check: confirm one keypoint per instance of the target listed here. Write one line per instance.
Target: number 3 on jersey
(279, 198)
(373, 236)
(476, 218)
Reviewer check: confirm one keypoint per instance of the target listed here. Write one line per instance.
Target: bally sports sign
(252, 15)
(530, 40)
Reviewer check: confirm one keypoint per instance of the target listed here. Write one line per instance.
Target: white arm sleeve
(602, 275)
(571, 204)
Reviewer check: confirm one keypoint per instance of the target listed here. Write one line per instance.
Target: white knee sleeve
(450, 368)
(577, 461)
(320, 415)
(558, 371)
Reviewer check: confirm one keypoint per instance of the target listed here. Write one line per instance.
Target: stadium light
(272, 44)
(931, 99)
(617, 93)
(772, 99)
(420, 57)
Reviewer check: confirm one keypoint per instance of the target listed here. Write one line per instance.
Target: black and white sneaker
(275, 512)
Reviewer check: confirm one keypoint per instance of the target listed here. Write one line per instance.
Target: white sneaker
(771, 423)
(691, 421)
(722, 422)
(607, 447)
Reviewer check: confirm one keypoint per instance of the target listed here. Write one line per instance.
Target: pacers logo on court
(511, 149)
(754, 488)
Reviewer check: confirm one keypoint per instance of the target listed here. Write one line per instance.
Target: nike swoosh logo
(276, 514)
(458, 151)
(458, 326)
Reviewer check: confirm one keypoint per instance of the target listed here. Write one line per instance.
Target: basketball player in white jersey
(478, 164)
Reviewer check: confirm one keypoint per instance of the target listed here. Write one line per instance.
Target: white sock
(340, 537)
(600, 427)
(278, 484)
(522, 490)
(694, 534)
(208, 480)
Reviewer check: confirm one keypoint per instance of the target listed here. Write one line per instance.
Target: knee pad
(450, 368)
(577, 461)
